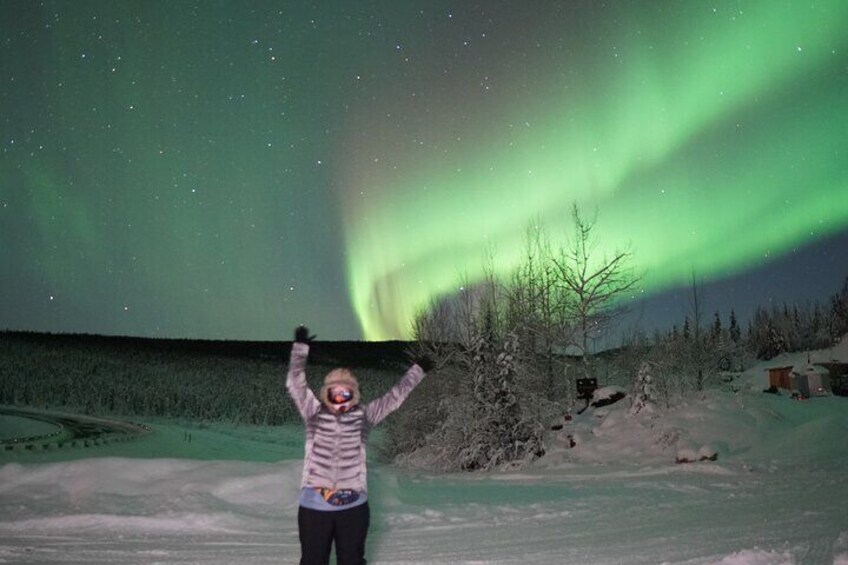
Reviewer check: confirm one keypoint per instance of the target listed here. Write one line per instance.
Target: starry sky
(232, 169)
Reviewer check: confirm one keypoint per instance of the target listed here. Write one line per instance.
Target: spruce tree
(735, 332)
(717, 329)
(839, 313)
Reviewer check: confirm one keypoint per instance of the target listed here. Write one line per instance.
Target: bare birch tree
(595, 283)
(535, 304)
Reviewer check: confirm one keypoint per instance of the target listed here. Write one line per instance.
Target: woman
(334, 490)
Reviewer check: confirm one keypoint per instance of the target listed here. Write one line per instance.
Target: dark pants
(318, 530)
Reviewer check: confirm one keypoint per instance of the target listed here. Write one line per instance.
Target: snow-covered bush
(482, 414)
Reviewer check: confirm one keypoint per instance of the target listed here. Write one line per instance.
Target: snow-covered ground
(14, 427)
(776, 495)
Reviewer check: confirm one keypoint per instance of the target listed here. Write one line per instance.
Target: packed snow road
(127, 511)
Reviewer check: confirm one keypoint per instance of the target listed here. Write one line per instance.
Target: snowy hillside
(775, 495)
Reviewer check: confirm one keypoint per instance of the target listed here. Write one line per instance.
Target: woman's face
(339, 395)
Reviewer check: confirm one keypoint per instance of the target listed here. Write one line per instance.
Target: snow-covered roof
(807, 369)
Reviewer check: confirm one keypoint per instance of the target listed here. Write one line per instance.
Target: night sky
(232, 169)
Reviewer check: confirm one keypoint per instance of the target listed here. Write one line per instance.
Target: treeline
(138, 378)
(689, 357)
(793, 328)
(772, 331)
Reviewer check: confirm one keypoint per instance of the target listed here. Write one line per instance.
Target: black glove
(424, 361)
(301, 335)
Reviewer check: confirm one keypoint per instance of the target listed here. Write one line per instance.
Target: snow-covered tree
(774, 344)
(643, 389)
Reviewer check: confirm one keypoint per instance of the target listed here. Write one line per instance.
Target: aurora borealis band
(232, 169)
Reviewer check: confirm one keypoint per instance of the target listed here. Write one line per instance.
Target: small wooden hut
(779, 377)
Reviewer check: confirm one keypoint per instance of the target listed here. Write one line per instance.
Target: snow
(775, 495)
(606, 392)
(14, 427)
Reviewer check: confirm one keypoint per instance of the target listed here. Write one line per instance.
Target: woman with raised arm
(334, 489)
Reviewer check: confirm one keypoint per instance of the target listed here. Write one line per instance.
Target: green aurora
(229, 170)
(712, 142)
